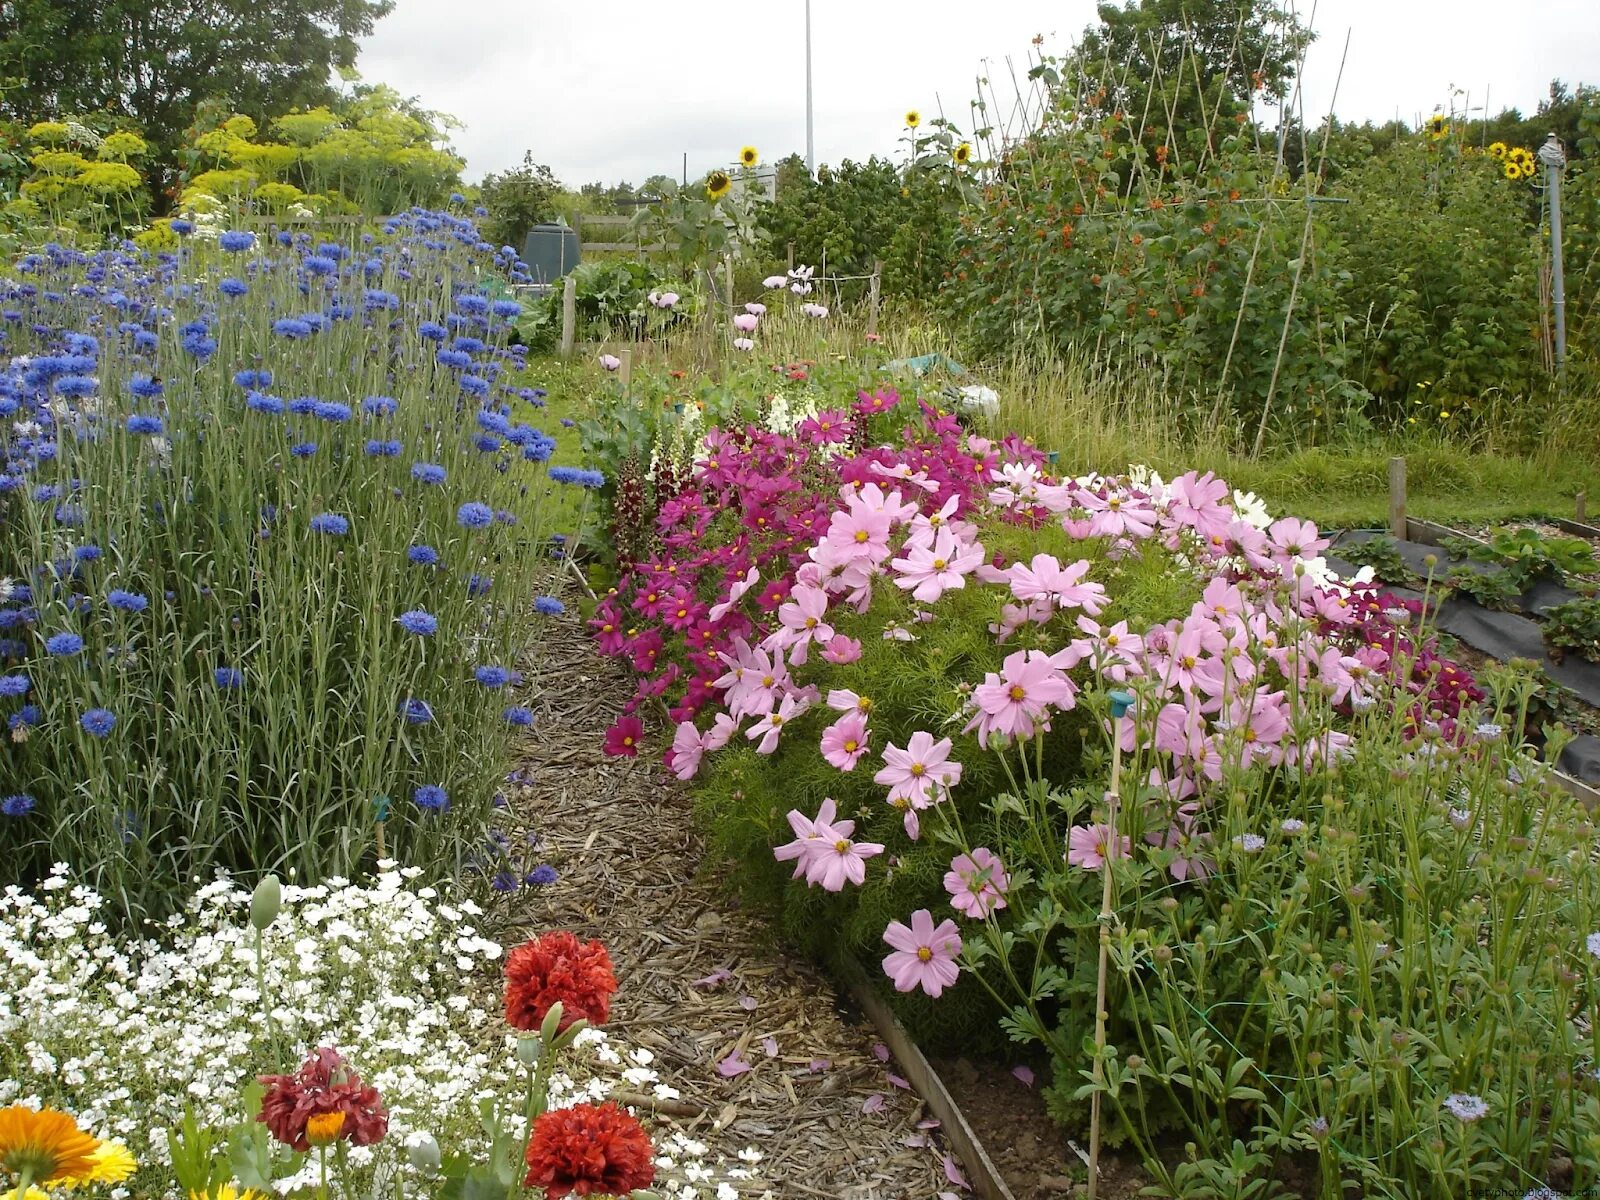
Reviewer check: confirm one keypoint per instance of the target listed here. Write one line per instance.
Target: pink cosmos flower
(720, 734)
(1181, 836)
(845, 741)
(688, 747)
(1200, 502)
(1118, 515)
(808, 835)
(859, 532)
(837, 860)
(920, 773)
(1088, 846)
(841, 650)
(751, 578)
(801, 622)
(844, 700)
(1293, 538)
(770, 727)
(1017, 700)
(928, 571)
(977, 883)
(924, 953)
(1046, 579)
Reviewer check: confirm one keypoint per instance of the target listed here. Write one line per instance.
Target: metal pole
(811, 148)
(1553, 158)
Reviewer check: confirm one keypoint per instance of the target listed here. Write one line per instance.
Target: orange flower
(45, 1144)
(323, 1129)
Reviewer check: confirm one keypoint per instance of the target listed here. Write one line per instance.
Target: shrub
(263, 512)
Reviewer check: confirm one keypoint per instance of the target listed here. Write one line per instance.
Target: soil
(1032, 1153)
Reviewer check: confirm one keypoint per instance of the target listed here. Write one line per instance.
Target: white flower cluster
(126, 1034)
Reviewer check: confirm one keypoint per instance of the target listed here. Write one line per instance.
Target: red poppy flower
(324, 1085)
(589, 1150)
(553, 967)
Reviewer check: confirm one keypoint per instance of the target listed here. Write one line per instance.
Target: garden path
(701, 982)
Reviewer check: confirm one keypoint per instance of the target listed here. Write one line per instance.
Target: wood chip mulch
(821, 1110)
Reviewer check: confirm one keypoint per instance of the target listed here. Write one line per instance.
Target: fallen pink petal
(952, 1172)
(733, 1066)
(715, 979)
(1025, 1074)
(880, 1052)
(749, 1003)
(874, 1103)
(899, 1081)
(770, 1045)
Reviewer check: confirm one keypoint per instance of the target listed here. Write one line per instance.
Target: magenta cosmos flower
(924, 953)
(623, 738)
(977, 883)
(1088, 846)
(1016, 701)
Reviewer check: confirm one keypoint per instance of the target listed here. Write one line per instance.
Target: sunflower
(46, 1145)
(913, 119)
(1436, 126)
(962, 154)
(749, 156)
(718, 184)
(1497, 149)
(1513, 169)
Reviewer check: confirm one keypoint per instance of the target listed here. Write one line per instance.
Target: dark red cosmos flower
(624, 736)
(589, 1150)
(553, 967)
(324, 1084)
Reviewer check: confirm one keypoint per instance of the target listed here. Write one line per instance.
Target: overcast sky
(622, 89)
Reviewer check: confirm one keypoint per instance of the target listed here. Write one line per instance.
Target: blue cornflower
(64, 645)
(14, 685)
(304, 406)
(330, 410)
(45, 493)
(87, 553)
(127, 601)
(472, 305)
(542, 876)
(427, 472)
(503, 881)
(144, 423)
(549, 606)
(473, 385)
(235, 240)
(478, 585)
(292, 328)
(253, 378)
(19, 805)
(418, 622)
(457, 359)
(381, 449)
(423, 556)
(518, 715)
(228, 677)
(432, 331)
(492, 677)
(76, 385)
(380, 406)
(539, 450)
(506, 309)
(303, 449)
(416, 712)
(319, 264)
(457, 198)
(233, 287)
(180, 227)
(98, 721)
(263, 403)
(331, 523)
(432, 797)
(375, 298)
(470, 344)
(28, 714)
(473, 515)
(145, 340)
(564, 474)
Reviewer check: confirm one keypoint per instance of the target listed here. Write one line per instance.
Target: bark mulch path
(700, 980)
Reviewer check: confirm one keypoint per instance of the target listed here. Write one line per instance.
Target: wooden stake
(727, 269)
(1581, 502)
(625, 371)
(791, 256)
(1397, 498)
(874, 290)
(569, 315)
(1113, 849)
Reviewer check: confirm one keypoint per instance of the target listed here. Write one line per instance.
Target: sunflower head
(1497, 149)
(962, 154)
(749, 156)
(913, 119)
(46, 1143)
(1437, 126)
(718, 184)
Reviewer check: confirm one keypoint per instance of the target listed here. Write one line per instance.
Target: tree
(518, 200)
(155, 60)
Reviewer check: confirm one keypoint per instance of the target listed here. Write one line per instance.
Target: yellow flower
(322, 1129)
(46, 1143)
(1497, 149)
(962, 153)
(1436, 126)
(112, 1163)
(913, 119)
(718, 184)
(1513, 169)
(226, 1191)
(749, 156)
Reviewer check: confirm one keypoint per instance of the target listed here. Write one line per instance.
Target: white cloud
(624, 89)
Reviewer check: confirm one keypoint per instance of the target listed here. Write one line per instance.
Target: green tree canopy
(155, 60)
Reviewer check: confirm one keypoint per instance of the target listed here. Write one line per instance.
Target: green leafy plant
(1382, 554)
(1526, 555)
(1574, 627)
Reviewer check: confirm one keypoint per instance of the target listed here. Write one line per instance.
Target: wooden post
(711, 296)
(791, 256)
(727, 274)
(874, 290)
(1581, 502)
(569, 315)
(625, 371)
(1397, 498)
